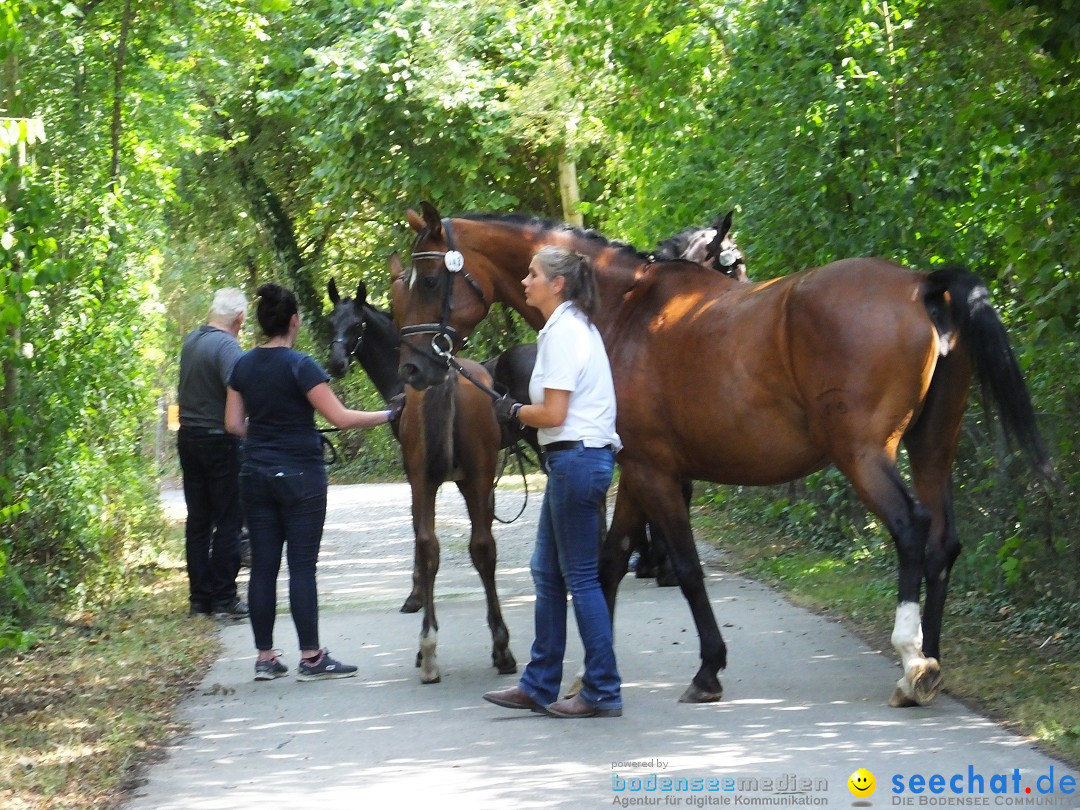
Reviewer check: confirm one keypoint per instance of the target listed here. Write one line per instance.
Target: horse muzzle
(422, 374)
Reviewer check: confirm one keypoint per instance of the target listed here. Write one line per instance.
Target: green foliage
(284, 139)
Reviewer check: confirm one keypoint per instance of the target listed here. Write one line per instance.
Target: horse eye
(431, 282)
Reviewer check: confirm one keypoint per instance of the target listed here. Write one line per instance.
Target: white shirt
(570, 356)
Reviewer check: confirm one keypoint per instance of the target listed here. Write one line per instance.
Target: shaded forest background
(153, 151)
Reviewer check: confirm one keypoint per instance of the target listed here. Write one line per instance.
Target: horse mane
(587, 234)
(384, 319)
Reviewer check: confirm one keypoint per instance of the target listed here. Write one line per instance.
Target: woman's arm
(547, 414)
(235, 413)
(326, 403)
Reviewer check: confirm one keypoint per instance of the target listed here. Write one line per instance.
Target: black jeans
(286, 509)
(211, 467)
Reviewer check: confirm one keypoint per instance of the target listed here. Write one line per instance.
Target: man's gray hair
(228, 303)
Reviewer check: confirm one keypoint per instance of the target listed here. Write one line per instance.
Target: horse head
(347, 325)
(438, 300)
(711, 247)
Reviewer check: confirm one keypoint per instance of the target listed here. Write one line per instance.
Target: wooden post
(568, 190)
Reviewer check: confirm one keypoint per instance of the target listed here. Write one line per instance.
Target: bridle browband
(444, 336)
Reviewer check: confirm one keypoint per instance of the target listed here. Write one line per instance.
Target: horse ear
(416, 222)
(331, 289)
(712, 252)
(723, 226)
(431, 218)
(361, 294)
(396, 268)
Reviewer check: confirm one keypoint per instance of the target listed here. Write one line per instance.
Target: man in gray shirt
(210, 460)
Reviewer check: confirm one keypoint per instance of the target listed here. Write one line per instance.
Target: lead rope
(515, 450)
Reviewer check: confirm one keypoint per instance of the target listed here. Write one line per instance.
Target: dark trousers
(211, 467)
(285, 509)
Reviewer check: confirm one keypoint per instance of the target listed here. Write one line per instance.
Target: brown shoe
(513, 698)
(576, 707)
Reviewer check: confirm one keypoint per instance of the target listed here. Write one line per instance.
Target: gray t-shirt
(206, 359)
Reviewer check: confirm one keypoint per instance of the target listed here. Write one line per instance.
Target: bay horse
(754, 384)
(446, 432)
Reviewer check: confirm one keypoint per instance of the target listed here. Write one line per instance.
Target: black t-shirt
(274, 383)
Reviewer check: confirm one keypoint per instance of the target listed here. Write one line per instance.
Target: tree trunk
(568, 190)
(118, 97)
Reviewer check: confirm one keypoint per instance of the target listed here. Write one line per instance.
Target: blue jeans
(210, 463)
(285, 509)
(572, 523)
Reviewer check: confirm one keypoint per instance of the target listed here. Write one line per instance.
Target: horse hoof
(927, 682)
(505, 663)
(919, 686)
(575, 687)
(667, 580)
(901, 699)
(645, 571)
(412, 605)
(426, 679)
(695, 694)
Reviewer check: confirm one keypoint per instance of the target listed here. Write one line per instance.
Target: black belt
(556, 447)
(199, 431)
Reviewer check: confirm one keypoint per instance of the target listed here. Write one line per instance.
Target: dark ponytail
(276, 307)
(579, 278)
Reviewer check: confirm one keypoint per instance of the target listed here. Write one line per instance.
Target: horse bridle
(356, 345)
(444, 336)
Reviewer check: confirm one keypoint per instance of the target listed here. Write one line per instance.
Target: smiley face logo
(862, 783)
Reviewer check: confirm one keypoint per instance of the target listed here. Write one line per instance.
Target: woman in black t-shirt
(273, 394)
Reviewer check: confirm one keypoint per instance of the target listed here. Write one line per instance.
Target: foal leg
(476, 489)
(414, 601)
(426, 566)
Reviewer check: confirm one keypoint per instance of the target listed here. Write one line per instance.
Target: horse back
(765, 382)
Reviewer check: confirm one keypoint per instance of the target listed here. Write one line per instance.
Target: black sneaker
(232, 611)
(323, 668)
(271, 668)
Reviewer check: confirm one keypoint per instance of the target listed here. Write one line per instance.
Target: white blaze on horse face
(907, 636)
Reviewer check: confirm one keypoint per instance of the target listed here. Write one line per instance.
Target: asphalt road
(804, 706)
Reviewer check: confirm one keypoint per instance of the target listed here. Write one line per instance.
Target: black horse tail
(438, 417)
(959, 305)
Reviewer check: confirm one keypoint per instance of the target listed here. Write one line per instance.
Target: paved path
(804, 702)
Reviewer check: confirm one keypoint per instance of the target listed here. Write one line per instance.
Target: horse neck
(378, 354)
(512, 250)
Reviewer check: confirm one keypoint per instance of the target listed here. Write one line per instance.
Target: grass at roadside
(96, 695)
(1029, 683)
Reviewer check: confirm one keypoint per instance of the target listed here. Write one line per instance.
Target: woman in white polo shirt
(573, 406)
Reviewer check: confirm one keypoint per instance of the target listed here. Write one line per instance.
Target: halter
(729, 260)
(359, 340)
(444, 336)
